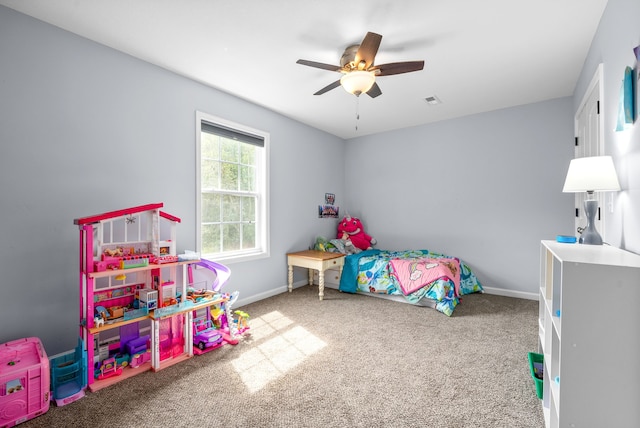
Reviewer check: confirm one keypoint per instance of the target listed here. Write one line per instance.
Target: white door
(590, 142)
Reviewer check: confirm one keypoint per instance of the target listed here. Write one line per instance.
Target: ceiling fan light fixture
(358, 82)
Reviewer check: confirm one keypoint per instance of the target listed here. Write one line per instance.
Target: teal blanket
(349, 278)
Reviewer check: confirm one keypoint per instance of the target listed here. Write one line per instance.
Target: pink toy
(351, 228)
(139, 359)
(109, 368)
(24, 381)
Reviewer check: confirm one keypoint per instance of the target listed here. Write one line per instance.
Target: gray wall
(485, 188)
(618, 34)
(85, 129)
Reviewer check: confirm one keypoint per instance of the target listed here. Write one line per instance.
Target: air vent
(433, 100)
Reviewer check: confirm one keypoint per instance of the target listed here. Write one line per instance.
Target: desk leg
(311, 276)
(290, 278)
(321, 284)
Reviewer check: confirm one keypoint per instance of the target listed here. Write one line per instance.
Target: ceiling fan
(357, 65)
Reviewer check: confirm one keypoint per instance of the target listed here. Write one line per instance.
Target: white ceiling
(479, 55)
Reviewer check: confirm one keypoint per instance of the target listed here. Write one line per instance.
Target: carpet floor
(346, 361)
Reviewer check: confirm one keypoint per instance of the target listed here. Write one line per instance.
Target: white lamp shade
(357, 82)
(591, 174)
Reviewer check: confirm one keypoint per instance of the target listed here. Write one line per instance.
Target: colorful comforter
(414, 274)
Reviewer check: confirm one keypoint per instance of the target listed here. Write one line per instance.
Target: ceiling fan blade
(318, 65)
(368, 50)
(374, 91)
(328, 88)
(398, 67)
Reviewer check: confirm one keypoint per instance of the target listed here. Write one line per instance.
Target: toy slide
(222, 274)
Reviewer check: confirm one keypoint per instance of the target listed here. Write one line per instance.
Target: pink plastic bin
(24, 381)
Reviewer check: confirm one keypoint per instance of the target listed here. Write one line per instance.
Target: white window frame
(263, 245)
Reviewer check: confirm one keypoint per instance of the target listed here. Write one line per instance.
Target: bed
(419, 277)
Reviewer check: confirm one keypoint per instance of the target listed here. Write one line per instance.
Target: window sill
(236, 258)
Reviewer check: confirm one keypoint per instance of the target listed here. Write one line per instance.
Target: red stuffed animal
(351, 228)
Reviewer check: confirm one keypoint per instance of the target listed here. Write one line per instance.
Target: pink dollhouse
(134, 310)
(124, 255)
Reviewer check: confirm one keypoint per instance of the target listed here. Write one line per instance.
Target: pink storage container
(24, 381)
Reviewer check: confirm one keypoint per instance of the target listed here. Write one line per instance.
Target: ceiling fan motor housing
(348, 57)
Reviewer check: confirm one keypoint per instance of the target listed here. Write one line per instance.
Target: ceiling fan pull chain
(357, 111)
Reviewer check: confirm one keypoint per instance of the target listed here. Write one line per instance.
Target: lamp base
(590, 235)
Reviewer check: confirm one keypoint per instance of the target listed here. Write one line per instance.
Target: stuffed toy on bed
(343, 246)
(350, 228)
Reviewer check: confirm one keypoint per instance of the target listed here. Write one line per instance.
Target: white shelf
(588, 321)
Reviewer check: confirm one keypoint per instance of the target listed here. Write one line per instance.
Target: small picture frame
(328, 211)
(329, 198)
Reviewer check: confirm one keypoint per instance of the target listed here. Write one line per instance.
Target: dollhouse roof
(127, 211)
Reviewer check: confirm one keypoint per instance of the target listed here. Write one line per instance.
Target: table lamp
(591, 174)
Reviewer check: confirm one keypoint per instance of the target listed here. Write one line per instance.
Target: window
(232, 189)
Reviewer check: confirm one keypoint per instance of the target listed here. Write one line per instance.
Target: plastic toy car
(205, 335)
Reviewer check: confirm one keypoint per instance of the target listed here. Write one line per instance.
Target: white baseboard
(269, 293)
(284, 289)
(511, 293)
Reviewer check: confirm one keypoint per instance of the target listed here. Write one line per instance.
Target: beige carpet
(348, 361)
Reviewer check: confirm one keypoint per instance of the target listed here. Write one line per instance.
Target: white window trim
(262, 212)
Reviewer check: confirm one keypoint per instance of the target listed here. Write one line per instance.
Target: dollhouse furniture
(588, 335)
(68, 375)
(314, 261)
(137, 346)
(24, 381)
(129, 267)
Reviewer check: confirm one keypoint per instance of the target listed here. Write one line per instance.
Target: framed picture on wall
(328, 211)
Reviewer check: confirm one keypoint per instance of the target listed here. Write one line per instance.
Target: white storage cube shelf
(588, 333)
